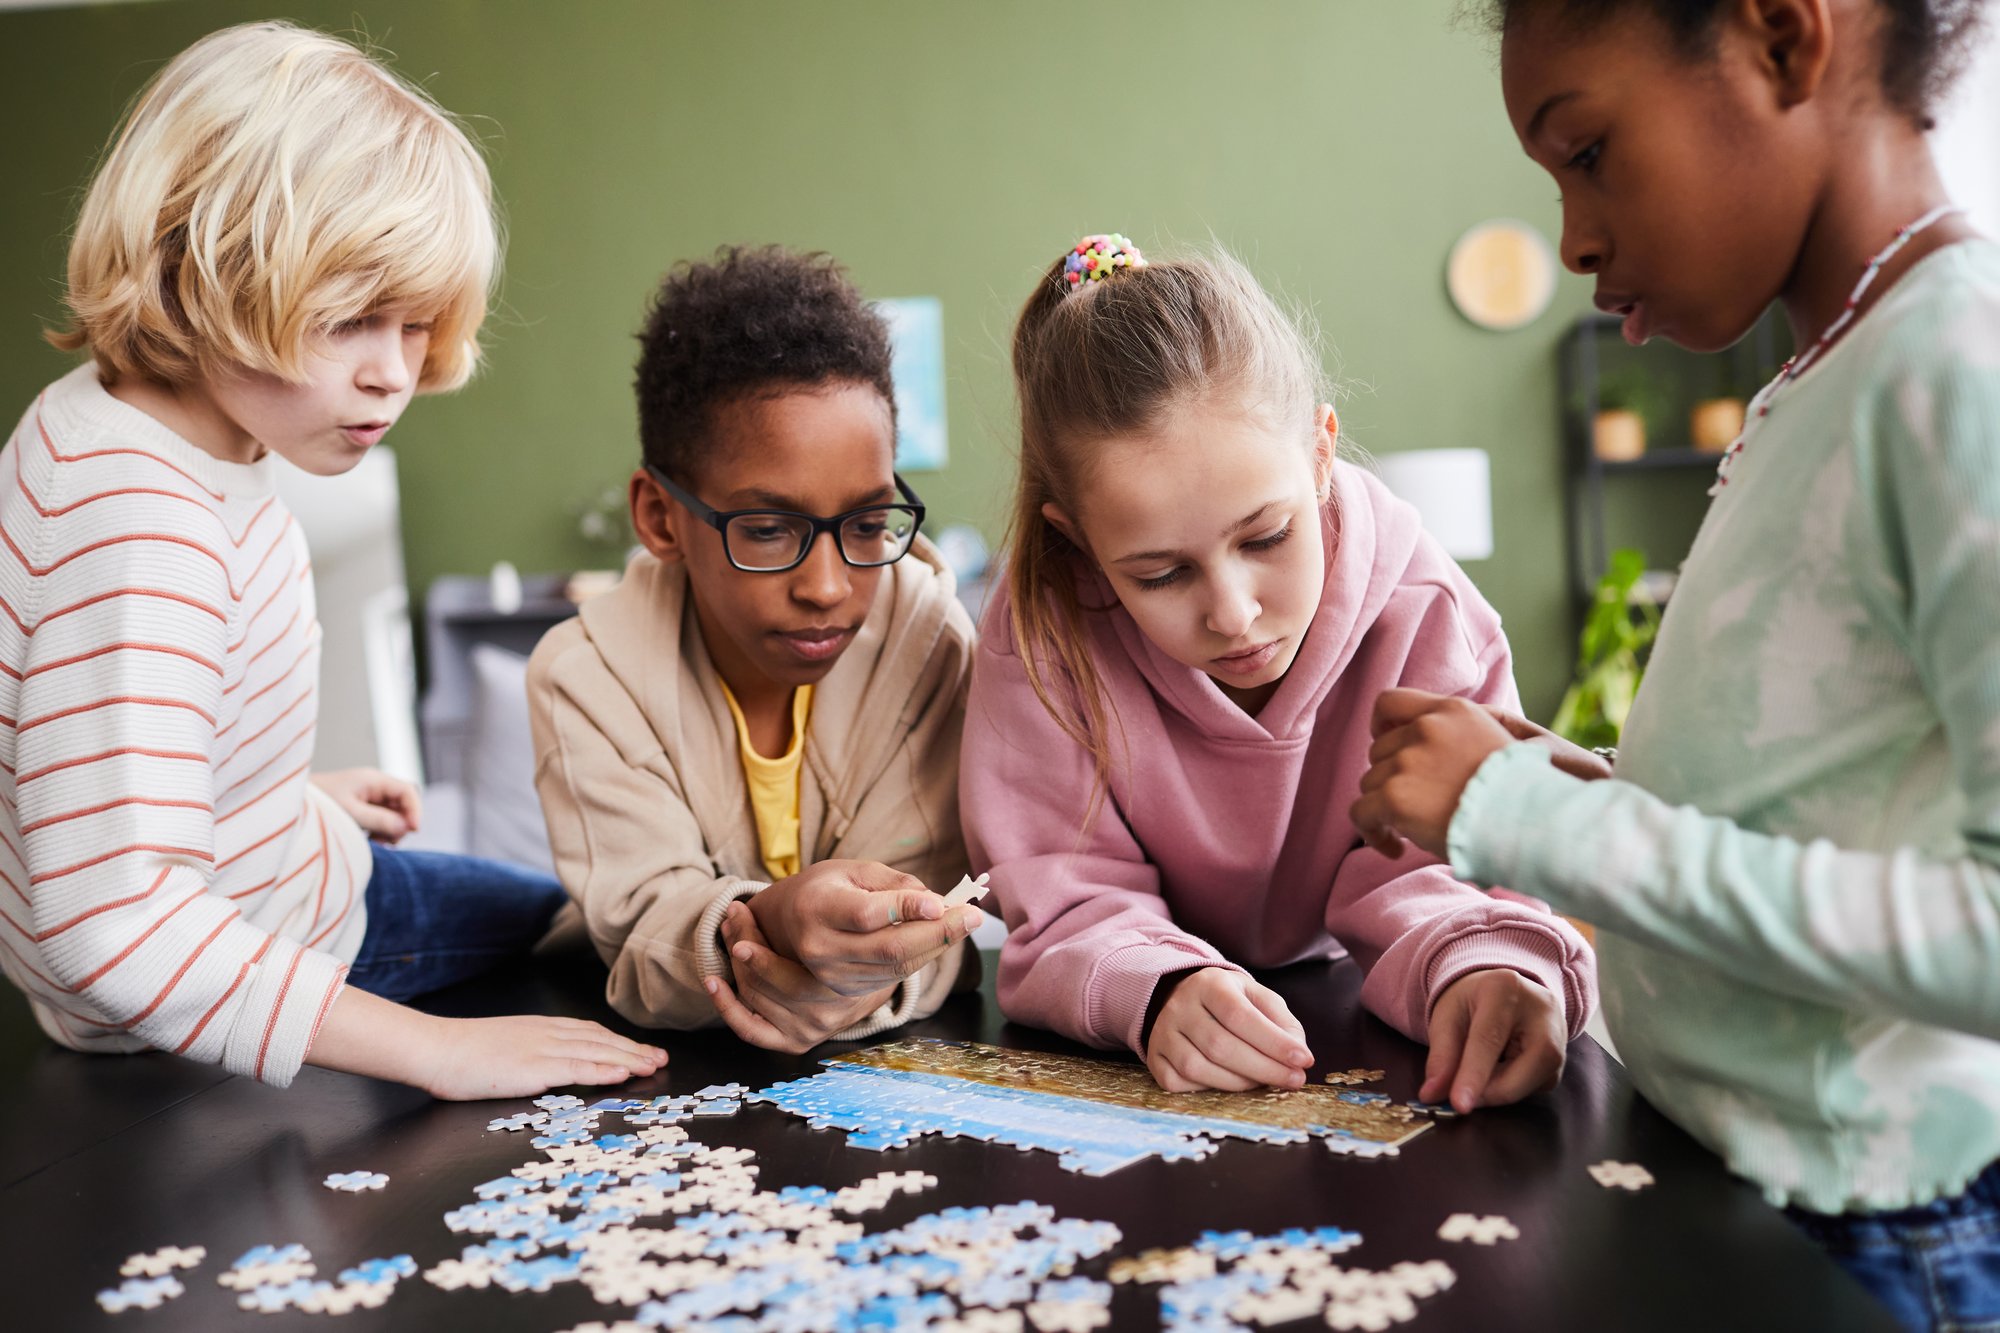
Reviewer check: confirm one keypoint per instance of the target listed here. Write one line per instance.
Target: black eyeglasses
(771, 541)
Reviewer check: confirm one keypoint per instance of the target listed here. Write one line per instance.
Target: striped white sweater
(168, 876)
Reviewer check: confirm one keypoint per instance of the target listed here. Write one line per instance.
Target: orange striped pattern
(168, 876)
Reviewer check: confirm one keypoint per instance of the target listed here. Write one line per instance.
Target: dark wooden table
(101, 1157)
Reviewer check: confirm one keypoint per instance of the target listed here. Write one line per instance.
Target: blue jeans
(1935, 1267)
(435, 919)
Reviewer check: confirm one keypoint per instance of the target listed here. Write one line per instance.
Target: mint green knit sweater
(1796, 871)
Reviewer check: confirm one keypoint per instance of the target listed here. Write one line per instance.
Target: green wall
(937, 146)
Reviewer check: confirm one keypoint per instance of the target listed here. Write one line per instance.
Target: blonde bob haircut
(267, 185)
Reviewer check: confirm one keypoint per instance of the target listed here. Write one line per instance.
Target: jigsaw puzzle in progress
(1096, 1115)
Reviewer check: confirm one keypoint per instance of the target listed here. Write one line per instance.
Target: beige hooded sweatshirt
(642, 785)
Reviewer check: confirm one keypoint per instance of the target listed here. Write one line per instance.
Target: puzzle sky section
(1096, 1115)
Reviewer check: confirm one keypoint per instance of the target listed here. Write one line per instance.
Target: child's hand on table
(776, 1003)
(464, 1059)
(1496, 1037)
(386, 808)
(857, 926)
(1427, 747)
(526, 1054)
(1221, 1030)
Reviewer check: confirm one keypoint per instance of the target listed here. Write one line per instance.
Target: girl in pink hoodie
(1169, 709)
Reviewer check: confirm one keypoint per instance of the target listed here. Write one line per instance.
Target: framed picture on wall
(916, 337)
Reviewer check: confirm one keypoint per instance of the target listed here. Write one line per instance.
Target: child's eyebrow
(756, 497)
(1248, 520)
(1542, 112)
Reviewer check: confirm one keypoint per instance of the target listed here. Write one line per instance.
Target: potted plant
(604, 522)
(1714, 424)
(1717, 421)
(1628, 401)
(1611, 654)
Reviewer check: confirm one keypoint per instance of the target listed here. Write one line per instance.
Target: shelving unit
(1684, 378)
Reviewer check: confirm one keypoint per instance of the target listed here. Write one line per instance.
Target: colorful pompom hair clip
(1095, 257)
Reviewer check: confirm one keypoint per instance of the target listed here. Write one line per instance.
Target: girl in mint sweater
(1795, 864)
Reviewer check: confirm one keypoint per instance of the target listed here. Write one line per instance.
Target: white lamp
(1452, 490)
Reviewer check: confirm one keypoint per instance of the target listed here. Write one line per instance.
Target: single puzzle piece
(1163, 1266)
(267, 1265)
(1373, 1312)
(1478, 1230)
(716, 1090)
(967, 890)
(982, 1321)
(525, 1120)
(1355, 1077)
(144, 1293)
(1368, 1150)
(1067, 1316)
(373, 1272)
(162, 1261)
(353, 1182)
(346, 1298)
(1436, 1110)
(451, 1274)
(274, 1297)
(618, 1106)
(1279, 1306)
(1621, 1175)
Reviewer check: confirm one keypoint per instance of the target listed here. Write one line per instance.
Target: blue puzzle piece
(374, 1272)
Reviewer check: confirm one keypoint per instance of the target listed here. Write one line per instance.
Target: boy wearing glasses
(748, 751)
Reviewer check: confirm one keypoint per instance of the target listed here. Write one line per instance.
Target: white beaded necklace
(1760, 406)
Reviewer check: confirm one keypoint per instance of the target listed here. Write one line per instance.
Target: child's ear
(1063, 523)
(1326, 440)
(655, 518)
(1793, 42)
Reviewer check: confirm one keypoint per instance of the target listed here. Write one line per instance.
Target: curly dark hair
(752, 322)
(1926, 44)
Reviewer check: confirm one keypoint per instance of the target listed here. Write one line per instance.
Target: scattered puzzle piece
(525, 1120)
(1478, 1230)
(1367, 1150)
(267, 1265)
(718, 1090)
(1067, 1316)
(275, 1297)
(353, 1182)
(1181, 1265)
(144, 1293)
(375, 1272)
(162, 1261)
(346, 1298)
(1621, 1175)
(1355, 1077)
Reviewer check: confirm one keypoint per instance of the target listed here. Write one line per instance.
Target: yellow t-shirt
(774, 786)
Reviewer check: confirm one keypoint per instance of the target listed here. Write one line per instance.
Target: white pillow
(503, 814)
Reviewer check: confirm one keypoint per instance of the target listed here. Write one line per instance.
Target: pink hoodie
(1225, 839)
